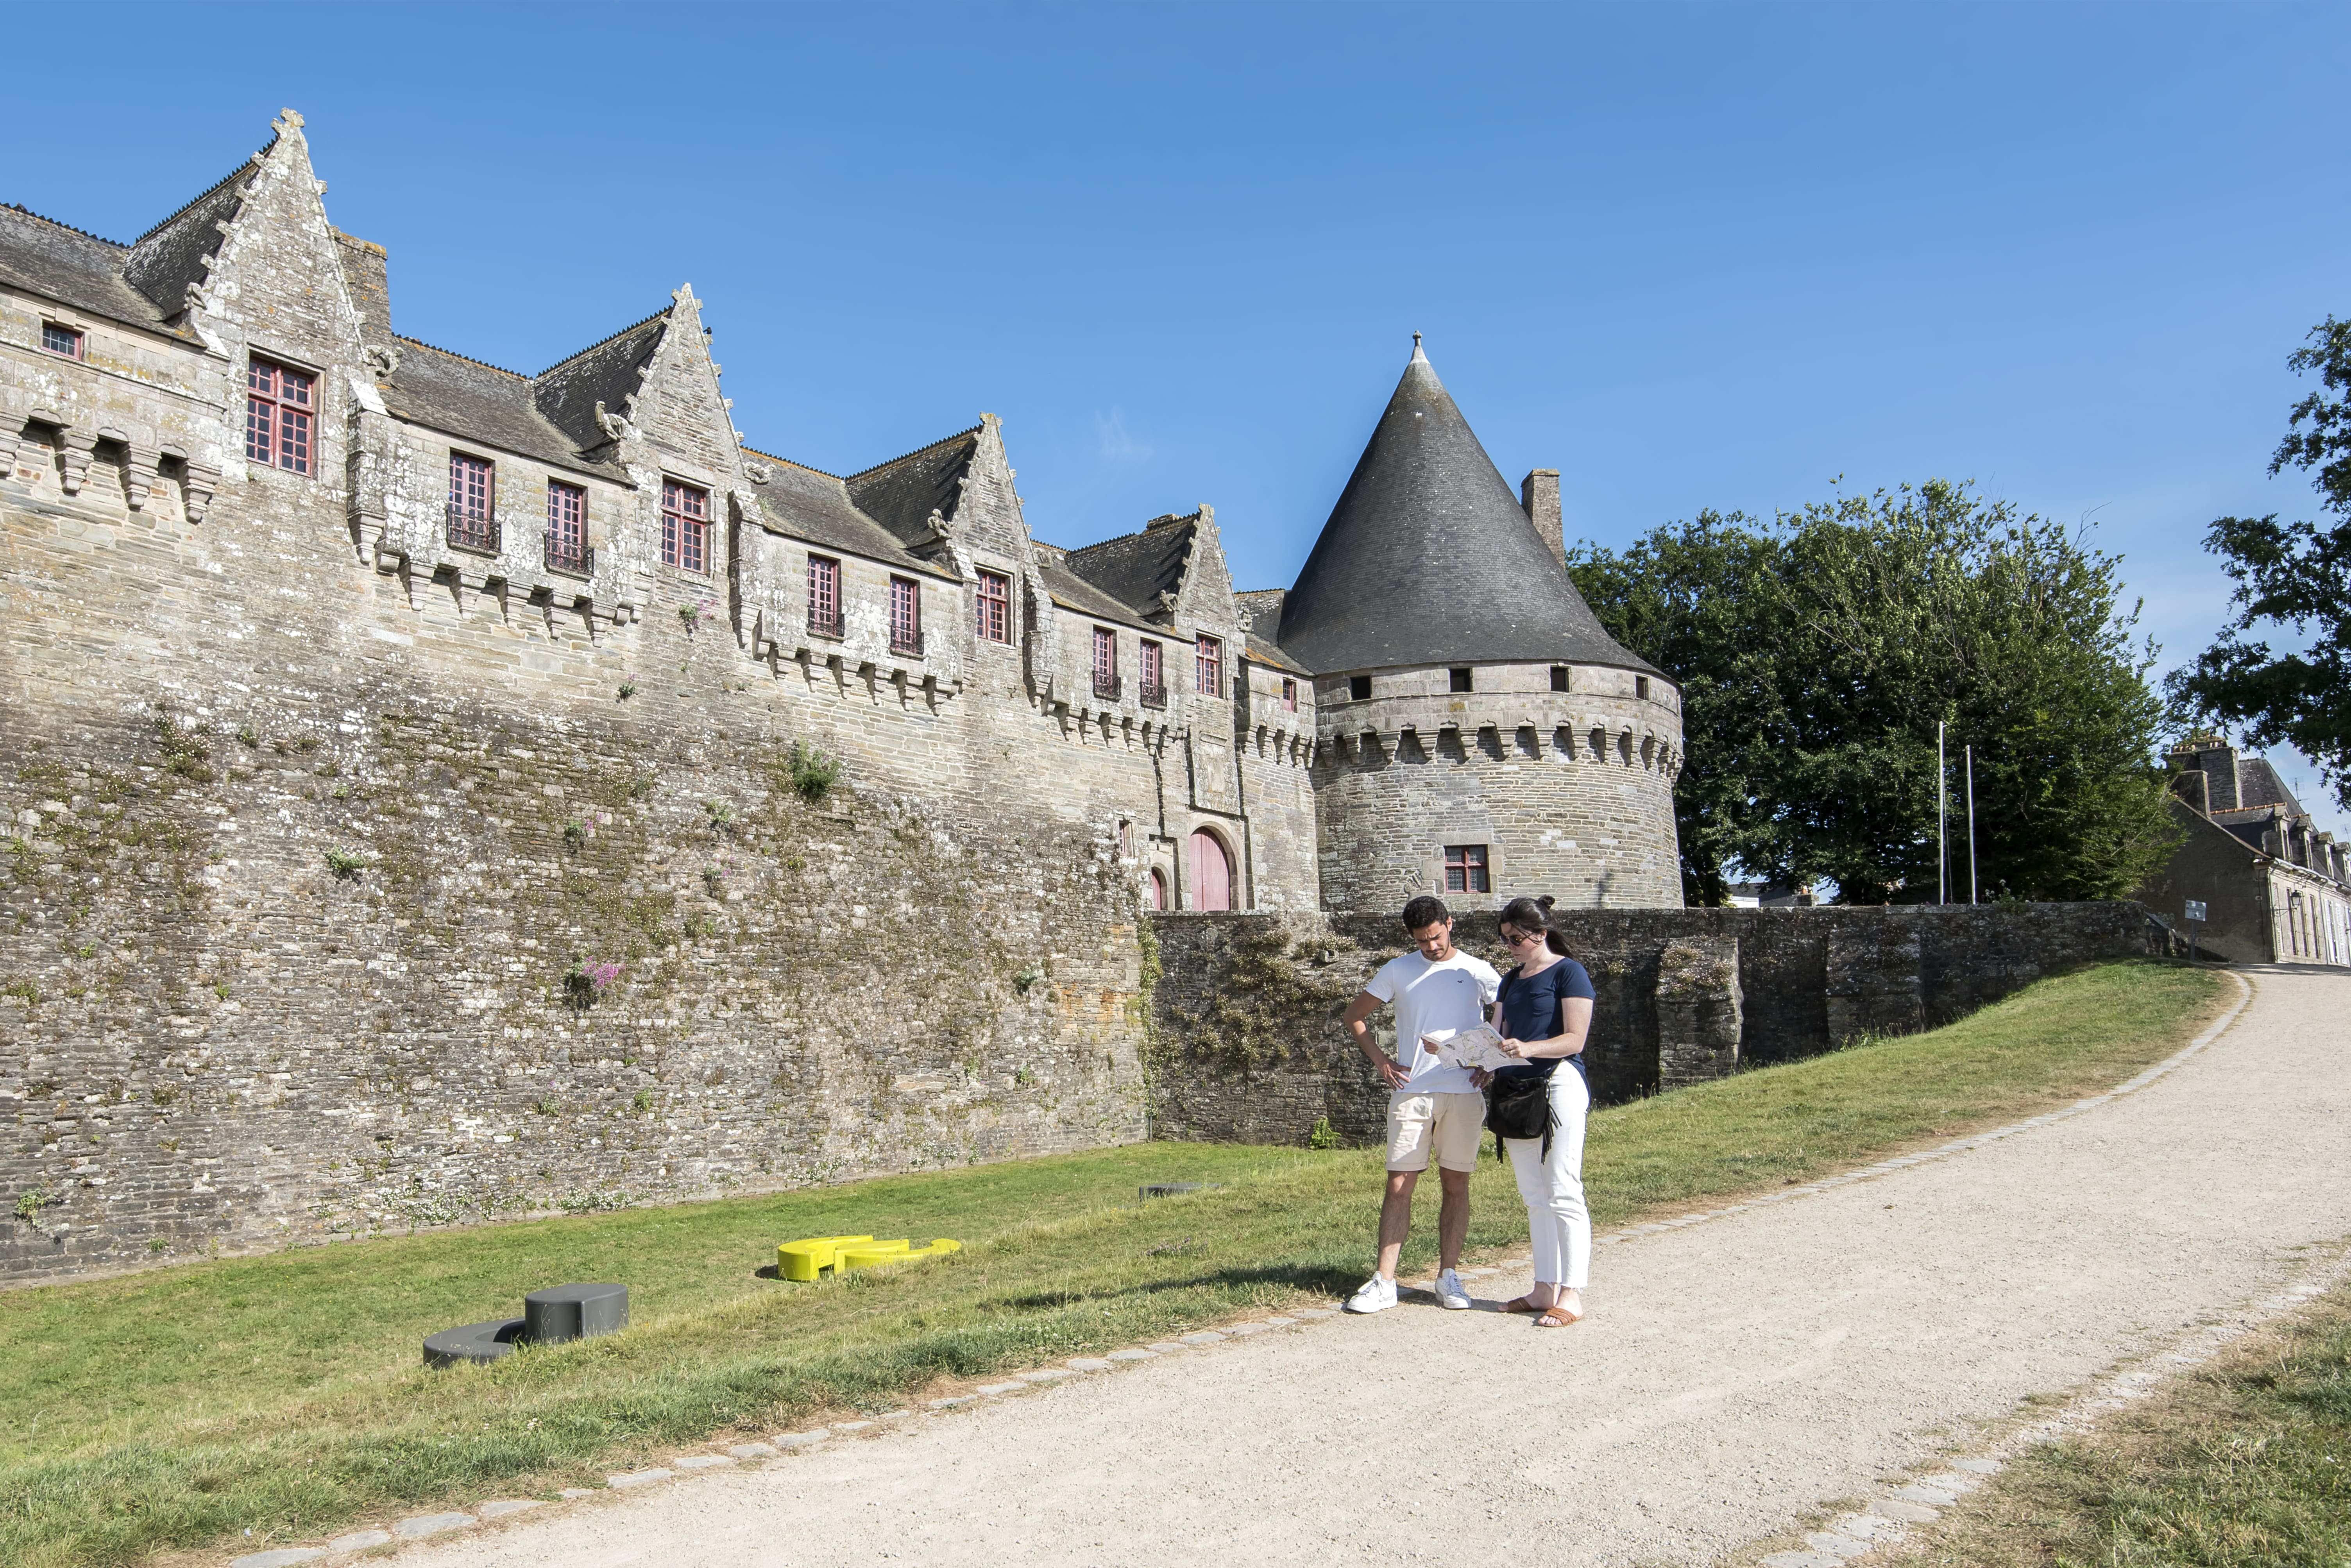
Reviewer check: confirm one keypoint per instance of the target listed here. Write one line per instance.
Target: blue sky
(1692, 255)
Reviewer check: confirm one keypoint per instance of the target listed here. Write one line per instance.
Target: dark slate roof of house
(48, 258)
(1136, 569)
(901, 494)
(1264, 650)
(2259, 784)
(467, 398)
(170, 256)
(1260, 611)
(1075, 594)
(1429, 558)
(607, 372)
(810, 505)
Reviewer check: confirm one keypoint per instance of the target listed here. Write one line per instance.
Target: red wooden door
(1158, 892)
(1212, 873)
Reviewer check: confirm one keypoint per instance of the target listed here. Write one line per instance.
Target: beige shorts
(1448, 1124)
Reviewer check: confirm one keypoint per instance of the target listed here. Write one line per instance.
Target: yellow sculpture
(808, 1259)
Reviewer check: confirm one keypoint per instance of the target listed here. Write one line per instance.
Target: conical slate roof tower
(1429, 558)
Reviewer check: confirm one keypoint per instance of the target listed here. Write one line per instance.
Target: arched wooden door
(1212, 873)
(1155, 892)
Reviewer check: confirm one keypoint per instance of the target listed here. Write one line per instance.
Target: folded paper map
(1480, 1047)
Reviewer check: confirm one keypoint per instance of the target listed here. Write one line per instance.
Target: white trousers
(1553, 1187)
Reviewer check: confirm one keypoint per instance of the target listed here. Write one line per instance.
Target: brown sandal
(1558, 1318)
(1523, 1305)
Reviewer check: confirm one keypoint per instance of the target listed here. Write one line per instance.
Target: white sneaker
(1450, 1292)
(1377, 1296)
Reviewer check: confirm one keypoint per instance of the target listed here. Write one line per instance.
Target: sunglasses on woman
(1519, 938)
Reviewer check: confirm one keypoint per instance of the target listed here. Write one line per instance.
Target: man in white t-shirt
(1433, 1109)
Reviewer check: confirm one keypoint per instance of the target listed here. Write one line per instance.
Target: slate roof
(45, 258)
(568, 391)
(1136, 569)
(901, 494)
(469, 400)
(1260, 611)
(1074, 592)
(1429, 558)
(811, 505)
(1264, 650)
(170, 256)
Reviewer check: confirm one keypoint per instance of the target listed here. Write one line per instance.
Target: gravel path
(1732, 1376)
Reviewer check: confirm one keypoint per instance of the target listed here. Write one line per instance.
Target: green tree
(2291, 575)
(1817, 654)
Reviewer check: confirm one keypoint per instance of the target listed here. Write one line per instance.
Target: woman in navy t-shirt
(1543, 1016)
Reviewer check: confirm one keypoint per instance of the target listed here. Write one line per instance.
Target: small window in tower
(60, 340)
(1289, 697)
(1559, 677)
(1465, 868)
(1359, 689)
(1462, 680)
(1641, 688)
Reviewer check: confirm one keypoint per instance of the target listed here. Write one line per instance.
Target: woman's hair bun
(1546, 900)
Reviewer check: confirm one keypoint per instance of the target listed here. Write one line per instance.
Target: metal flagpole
(1942, 816)
(1971, 824)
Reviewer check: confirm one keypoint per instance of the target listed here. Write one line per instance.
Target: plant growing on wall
(813, 774)
(586, 982)
(345, 862)
(628, 690)
(29, 1205)
(722, 815)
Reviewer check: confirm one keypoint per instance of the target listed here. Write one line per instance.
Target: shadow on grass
(1318, 1278)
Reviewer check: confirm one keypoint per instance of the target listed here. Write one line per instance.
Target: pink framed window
(685, 526)
(905, 616)
(994, 607)
(567, 527)
(278, 416)
(473, 515)
(1208, 659)
(1105, 661)
(1154, 676)
(1289, 697)
(824, 596)
(60, 340)
(1465, 868)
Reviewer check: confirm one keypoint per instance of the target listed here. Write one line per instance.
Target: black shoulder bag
(1518, 1106)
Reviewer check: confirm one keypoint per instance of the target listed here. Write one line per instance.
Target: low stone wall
(1247, 1045)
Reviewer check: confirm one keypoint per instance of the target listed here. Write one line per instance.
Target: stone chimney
(2213, 756)
(1539, 494)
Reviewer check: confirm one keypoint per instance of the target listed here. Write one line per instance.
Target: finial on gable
(289, 120)
(1419, 357)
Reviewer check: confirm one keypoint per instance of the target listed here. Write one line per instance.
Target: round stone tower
(1479, 735)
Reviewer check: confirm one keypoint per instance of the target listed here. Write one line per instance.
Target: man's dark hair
(1426, 911)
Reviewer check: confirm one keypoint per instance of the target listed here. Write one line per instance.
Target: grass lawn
(2246, 1464)
(284, 1393)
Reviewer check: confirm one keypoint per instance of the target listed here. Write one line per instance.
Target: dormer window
(685, 526)
(994, 607)
(278, 416)
(1208, 665)
(62, 340)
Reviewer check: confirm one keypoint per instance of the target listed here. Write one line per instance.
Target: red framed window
(824, 596)
(1209, 660)
(1105, 661)
(278, 416)
(1289, 697)
(473, 514)
(567, 527)
(1154, 676)
(994, 607)
(60, 340)
(1465, 868)
(685, 526)
(906, 615)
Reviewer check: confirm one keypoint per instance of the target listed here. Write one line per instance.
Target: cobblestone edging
(1882, 1522)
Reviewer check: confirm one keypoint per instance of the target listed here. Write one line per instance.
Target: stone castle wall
(1248, 1045)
